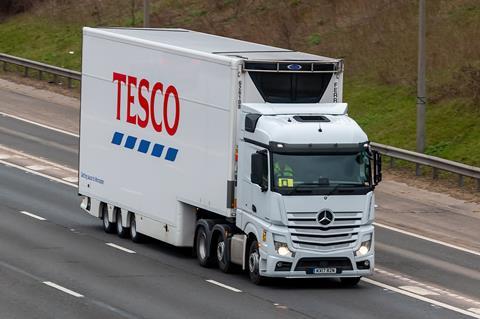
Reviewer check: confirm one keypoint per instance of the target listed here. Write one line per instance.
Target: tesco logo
(155, 105)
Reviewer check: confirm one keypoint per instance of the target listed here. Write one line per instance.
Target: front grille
(307, 233)
(339, 263)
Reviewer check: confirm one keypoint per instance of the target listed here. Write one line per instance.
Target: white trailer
(243, 151)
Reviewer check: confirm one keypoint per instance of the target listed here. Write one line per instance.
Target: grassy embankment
(380, 66)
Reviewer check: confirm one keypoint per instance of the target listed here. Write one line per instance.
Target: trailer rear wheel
(254, 264)
(134, 235)
(108, 226)
(121, 231)
(349, 281)
(201, 246)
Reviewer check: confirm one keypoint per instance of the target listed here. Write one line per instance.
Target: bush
(16, 6)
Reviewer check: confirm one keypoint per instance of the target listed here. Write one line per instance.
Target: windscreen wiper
(298, 188)
(339, 185)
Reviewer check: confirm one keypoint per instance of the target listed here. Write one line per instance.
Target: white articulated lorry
(244, 152)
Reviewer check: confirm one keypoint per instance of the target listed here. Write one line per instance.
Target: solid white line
(475, 310)
(19, 154)
(32, 215)
(223, 285)
(418, 290)
(39, 124)
(37, 173)
(38, 167)
(425, 299)
(72, 179)
(428, 239)
(121, 248)
(65, 290)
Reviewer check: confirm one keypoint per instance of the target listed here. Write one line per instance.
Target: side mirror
(377, 168)
(259, 170)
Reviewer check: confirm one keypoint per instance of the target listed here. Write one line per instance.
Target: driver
(284, 174)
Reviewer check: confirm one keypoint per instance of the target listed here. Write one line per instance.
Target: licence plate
(318, 271)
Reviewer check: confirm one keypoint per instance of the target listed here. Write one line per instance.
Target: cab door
(254, 196)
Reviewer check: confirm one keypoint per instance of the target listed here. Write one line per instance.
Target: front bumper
(268, 265)
(304, 262)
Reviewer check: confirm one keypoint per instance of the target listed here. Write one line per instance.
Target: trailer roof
(218, 45)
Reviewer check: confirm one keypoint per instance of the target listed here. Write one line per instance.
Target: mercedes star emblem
(325, 217)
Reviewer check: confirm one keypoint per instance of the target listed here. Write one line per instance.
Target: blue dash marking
(157, 150)
(171, 154)
(130, 142)
(144, 146)
(117, 138)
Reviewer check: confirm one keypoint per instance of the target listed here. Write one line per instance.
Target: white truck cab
(244, 152)
(317, 220)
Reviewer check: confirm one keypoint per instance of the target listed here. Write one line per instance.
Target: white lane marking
(223, 285)
(37, 173)
(440, 291)
(476, 310)
(39, 124)
(32, 215)
(19, 154)
(427, 239)
(121, 248)
(65, 290)
(71, 179)
(419, 290)
(38, 167)
(422, 298)
(5, 156)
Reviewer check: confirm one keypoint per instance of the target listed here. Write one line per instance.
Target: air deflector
(290, 87)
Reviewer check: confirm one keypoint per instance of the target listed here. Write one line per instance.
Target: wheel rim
(202, 246)
(220, 250)
(253, 262)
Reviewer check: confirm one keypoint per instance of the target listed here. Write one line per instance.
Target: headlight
(281, 247)
(364, 248)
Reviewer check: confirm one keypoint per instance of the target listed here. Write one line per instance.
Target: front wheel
(254, 264)
(349, 281)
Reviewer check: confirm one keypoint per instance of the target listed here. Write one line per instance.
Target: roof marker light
(294, 67)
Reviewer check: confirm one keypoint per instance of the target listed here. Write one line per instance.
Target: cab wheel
(349, 282)
(254, 264)
(201, 248)
(221, 252)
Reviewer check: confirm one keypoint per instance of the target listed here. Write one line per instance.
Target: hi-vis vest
(285, 175)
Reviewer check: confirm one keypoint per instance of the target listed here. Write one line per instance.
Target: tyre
(254, 264)
(121, 231)
(223, 259)
(108, 226)
(201, 247)
(134, 235)
(349, 281)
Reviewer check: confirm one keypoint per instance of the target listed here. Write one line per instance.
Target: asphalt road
(160, 281)
(38, 141)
